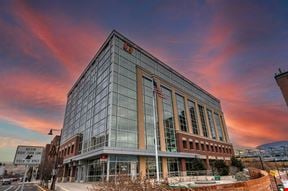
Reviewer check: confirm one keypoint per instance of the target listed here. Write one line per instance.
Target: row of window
(204, 123)
(67, 151)
(189, 145)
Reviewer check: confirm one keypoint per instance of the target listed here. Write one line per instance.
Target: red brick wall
(75, 142)
(180, 136)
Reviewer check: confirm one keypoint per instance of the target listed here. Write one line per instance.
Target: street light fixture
(51, 131)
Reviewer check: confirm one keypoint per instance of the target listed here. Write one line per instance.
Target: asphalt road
(17, 187)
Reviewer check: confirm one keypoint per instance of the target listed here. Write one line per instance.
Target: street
(17, 187)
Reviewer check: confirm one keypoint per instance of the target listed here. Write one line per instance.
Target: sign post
(28, 156)
(25, 174)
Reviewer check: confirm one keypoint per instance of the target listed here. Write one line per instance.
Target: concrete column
(164, 168)
(160, 118)
(198, 119)
(78, 174)
(72, 174)
(140, 109)
(64, 172)
(183, 167)
(175, 110)
(142, 167)
(207, 122)
(188, 117)
(85, 172)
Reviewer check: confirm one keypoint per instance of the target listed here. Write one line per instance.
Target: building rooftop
(281, 74)
(119, 35)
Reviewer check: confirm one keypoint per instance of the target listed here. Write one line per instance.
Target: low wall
(261, 182)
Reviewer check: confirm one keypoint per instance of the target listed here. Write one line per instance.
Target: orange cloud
(24, 92)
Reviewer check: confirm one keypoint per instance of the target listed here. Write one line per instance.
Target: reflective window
(211, 123)
(168, 120)
(87, 105)
(151, 167)
(181, 113)
(203, 121)
(173, 167)
(124, 104)
(148, 115)
(219, 127)
(193, 116)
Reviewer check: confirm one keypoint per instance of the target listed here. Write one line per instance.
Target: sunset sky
(230, 48)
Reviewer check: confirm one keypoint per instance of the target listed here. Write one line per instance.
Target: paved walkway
(69, 186)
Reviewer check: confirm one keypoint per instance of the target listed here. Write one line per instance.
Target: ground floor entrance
(101, 168)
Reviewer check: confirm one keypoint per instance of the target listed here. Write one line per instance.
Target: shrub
(237, 163)
(221, 167)
(198, 164)
(126, 183)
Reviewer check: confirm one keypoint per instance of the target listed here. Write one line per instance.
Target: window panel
(211, 124)
(203, 121)
(181, 113)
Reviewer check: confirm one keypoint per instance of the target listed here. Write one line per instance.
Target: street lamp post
(155, 132)
(54, 171)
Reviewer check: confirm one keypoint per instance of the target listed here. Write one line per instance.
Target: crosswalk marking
(8, 188)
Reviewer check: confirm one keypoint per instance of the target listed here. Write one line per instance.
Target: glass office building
(110, 113)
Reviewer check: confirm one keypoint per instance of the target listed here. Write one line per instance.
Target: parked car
(6, 181)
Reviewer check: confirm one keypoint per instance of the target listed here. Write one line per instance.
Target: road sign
(28, 155)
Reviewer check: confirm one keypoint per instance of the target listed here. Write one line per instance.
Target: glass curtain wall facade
(148, 114)
(168, 120)
(103, 108)
(124, 110)
(87, 106)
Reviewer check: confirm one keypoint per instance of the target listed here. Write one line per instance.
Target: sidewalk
(72, 186)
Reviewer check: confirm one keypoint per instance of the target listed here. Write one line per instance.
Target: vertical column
(224, 128)
(64, 173)
(108, 169)
(198, 118)
(142, 167)
(160, 118)
(183, 167)
(79, 171)
(72, 174)
(216, 129)
(164, 168)
(140, 110)
(175, 110)
(188, 117)
(207, 122)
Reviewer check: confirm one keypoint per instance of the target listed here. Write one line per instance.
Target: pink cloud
(72, 45)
